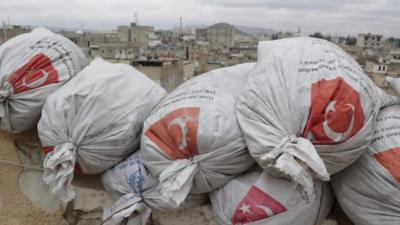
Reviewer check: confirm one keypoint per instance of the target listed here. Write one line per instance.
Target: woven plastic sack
(259, 198)
(138, 194)
(369, 190)
(32, 66)
(94, 121)
(308, 109)
(192, 141)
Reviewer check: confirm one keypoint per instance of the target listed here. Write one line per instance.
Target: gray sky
(328, 16)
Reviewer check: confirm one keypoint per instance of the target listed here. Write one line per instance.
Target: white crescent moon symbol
(37, 83)
(181, 122)
(335, 136)
(267, 210)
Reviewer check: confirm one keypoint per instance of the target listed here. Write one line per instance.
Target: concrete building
(124, 33)
(354, 51)
(188, 69)
(221, 34)
(134, 33)
(374, 41)
(372, 67)
(86, 39)
(201, 34)
(114, 51)
(9, 31)
(167, 72)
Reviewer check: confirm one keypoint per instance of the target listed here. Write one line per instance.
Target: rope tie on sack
(130, 206)
(59, 168)
(296, 159)
(4, 94)
(177, 179)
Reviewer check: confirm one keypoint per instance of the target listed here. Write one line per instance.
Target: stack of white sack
(94, 121)
(192, 141)
(308, 110)
(137, 193)
(369, 190)
(32, 66)
(259, 198)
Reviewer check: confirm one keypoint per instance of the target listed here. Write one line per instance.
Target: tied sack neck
(59, 170)
(296, 159)
(130, 206)
(177, 179)
(4, 94)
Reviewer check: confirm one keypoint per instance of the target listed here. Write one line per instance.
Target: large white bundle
(137, 193)
(308, 109)
(369, 190)
(259, 198)
(94, 121)
(192, 141)
(32, 66)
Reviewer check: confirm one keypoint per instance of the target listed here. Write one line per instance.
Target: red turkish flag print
(37, 72)
(176, 133)
(256, 205)
(336, 113)
(390, 159)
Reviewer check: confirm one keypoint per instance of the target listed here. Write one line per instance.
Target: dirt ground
(16, 208)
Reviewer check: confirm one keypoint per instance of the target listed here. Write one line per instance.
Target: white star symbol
(245, 208)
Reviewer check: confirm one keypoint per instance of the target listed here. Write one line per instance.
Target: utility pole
(5, 31)
(137, 18)
(180, 25)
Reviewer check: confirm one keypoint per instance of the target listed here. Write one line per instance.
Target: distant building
(201, 34)
(188, 70)
(86, 39)
(168, 72)
(352, 50)
(114, 52)
(221, 33)
(372, 67)
(10, 31)
(374, 41)
(136, 34)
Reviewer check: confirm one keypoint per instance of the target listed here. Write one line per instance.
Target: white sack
(137, 193)
(192, 141)
(32, 66)
(94, 121)
(369, 190)
(308, 109)
(394, 83)
(259, 198)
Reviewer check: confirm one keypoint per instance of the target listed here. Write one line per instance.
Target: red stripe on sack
(77, 167)
(390, 159)
(46, 150)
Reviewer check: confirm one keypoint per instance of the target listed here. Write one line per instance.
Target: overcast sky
(328, 16)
